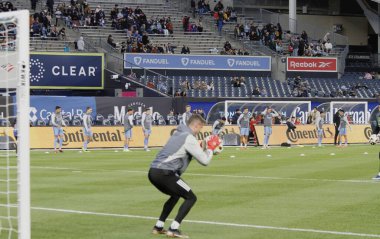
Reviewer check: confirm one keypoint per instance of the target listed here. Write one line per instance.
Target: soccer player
(243, 123)
(218, 126)
(343, 128)
(87, 131)
(336, 121)
(128, 125)
(170, 163)
(186, 116)
(57, 122)
(319, 121)
(268, 115)
(146, 123)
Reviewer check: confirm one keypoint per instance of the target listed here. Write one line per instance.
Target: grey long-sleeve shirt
(178, 152)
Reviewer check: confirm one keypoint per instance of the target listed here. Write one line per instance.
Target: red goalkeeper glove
(213, 143)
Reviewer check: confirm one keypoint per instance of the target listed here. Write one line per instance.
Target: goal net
(14, 125)
(356, 111)
(299, 109)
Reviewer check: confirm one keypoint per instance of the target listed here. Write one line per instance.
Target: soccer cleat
(126, 150)
(61, 151)
(158, 230)
(85, 150)
(147, 150)
(377, 177)
(175, 233)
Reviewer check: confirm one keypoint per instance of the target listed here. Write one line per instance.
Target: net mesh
(298, 109)
(8, 157)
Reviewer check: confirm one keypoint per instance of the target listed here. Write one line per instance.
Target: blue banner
(41, 107)
(66, 70)
(197, 62)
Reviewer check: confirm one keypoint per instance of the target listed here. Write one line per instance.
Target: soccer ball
(374, 139)
(218, 149)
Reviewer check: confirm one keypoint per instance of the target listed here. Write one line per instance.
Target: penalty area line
(354, 234)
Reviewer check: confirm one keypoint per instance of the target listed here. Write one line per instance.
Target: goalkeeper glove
(213, 142)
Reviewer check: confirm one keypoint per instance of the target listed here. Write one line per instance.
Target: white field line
(226, 224)
(215, 175)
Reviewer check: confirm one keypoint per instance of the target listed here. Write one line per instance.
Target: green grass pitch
(327, 193)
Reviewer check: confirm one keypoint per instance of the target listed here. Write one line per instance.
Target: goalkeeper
(170, 163)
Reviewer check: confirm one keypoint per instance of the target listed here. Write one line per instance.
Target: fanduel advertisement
(66, 70)
(41, 107)
(197, 62)
(312, 64)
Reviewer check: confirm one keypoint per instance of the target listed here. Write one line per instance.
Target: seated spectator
(197, 84)
(185, 50)
(151, 85)
(62, 33)
(328, 46)
(368, 76)
(256, 91)
(110, 41)
(242, 80)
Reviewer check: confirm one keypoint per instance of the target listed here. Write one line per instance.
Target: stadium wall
(113, 136)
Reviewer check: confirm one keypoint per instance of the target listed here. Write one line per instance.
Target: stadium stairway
(199, 43)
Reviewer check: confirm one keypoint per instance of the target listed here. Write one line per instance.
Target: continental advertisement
(110, 137)
(307, 134)
(113, 136)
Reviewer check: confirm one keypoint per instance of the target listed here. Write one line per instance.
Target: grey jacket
(182, 146)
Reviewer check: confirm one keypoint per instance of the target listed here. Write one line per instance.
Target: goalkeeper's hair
(195, 118)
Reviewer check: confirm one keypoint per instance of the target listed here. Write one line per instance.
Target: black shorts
(169, 182)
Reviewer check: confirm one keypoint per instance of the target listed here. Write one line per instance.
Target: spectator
(80, 44)
(50, 5)
(62, 33)
(328, 46)
(185, 50)
(368, 76)
(110, 41)
(242, 80)
(145, 39)
(304, 36)
(256, 91)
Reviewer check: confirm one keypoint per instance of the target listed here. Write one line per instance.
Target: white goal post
(14, 106)
(358, 110)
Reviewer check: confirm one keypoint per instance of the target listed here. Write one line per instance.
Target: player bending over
(268, 115)
(243, 123)
(87, 131)
(128, 125)
(319, 121)
(170, 163)
(146, 123)
(58, 123)
(343, 128)
(186, 116)
(218, 126)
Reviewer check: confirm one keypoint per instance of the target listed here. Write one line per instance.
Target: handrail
(118, 66)
(136, 82)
